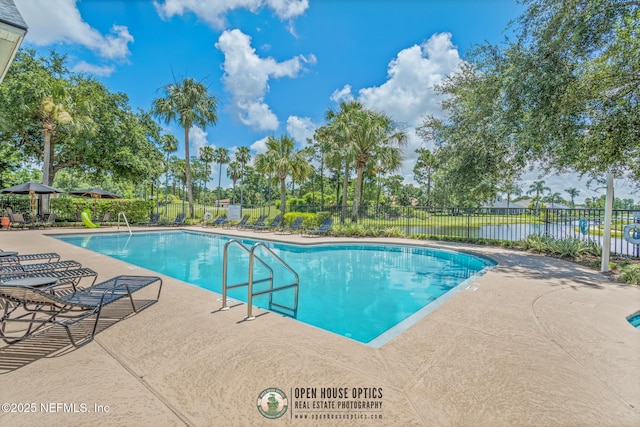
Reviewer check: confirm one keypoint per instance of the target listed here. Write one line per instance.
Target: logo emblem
(272, 403)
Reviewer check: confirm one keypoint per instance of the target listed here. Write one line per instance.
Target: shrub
(631, 274)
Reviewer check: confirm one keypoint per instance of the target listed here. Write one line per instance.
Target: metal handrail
(271, 289)
(125, 221)
(251, 281)
(225, 287)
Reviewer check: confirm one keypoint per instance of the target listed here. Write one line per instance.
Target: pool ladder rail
(293, 311)
(122, 214)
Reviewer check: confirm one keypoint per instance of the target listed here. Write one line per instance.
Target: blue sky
(276, 66)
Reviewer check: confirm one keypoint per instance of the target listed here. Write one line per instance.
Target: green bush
(630, 274)
(136, 210)
(309, 219)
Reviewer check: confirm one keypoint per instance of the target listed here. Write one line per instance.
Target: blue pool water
(367, 292)
(635, 320)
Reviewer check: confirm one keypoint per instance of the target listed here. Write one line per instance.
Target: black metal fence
(452, 223)
(511, 224)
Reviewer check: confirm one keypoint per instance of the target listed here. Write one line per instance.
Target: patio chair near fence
(239, 224)
(153, 220)
(258, 222)
(48, 221)
(293, 228)
(43, 307)
(271, 226)
(323, 229)
(17, 220)
(180, 218)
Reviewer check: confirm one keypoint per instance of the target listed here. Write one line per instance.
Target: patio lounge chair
(294, 227)
(72, 276)
(259, 222)
(179, 220)
(219, 221)
(274, 224)
(49, 256)
(323, 229)
(105, 219)
(58, 305)
(153, 220)
(239, 224)
(9, 266)
(17, 220)
(47, 221)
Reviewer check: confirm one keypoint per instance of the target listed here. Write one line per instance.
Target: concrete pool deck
(534, 342)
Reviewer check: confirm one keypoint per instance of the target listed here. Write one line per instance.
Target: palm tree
(243, 157)
(169, 145)
(554, 198)
(511, 189)
(281, 160)
(367, 135)
(538, 188)
(335, 136)
(221, 157)
(189, 103)
(206, 155)
(234, 171)
(573, 193)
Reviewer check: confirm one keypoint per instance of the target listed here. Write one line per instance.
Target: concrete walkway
(536, 342)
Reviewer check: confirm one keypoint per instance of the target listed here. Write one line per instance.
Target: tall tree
(206, 155)
(243, 157)
(234, 171)
(538, 188)
(282, 160)
(169, 144)
(572, 80)
(573, 193)
(189, 103)
(423, 170)
(221, 157)
(473, 143)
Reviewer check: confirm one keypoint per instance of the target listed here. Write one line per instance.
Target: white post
(608, 213)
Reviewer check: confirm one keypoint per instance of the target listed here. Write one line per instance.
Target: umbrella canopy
(96, 193)
(31, 188)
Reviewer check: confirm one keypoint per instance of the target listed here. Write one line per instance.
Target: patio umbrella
(96, 193)
(31, 188)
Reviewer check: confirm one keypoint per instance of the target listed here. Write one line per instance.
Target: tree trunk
(345, 190)
(283, 196)
(46, 169)
(357, 192)
(187, 173)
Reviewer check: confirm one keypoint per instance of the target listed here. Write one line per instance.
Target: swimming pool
(367, 292)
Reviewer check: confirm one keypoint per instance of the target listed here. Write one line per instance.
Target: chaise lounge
(323, 229)
(41, 307)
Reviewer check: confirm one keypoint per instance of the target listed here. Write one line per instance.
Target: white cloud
(260, 146)
(98, 70)
(300, 129)
(197, 139)
(408, 94)
(60, 22)
(213, 11)
(343, 94)
(246, 77)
